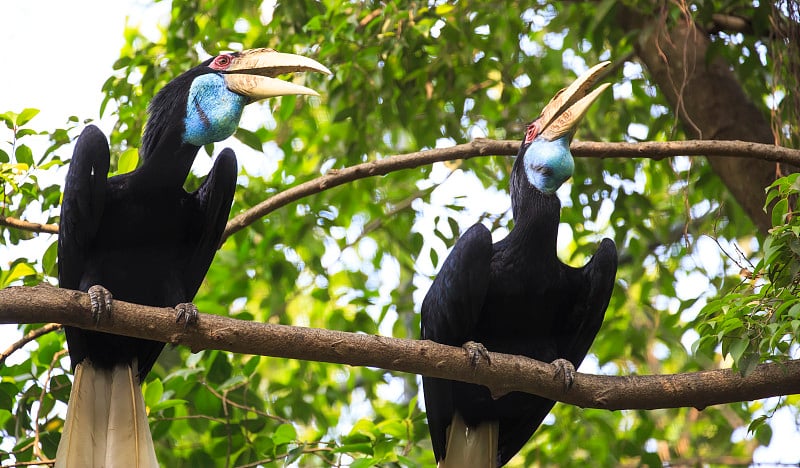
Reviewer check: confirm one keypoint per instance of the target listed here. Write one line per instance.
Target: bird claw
(187, 312)
(475, 351)
(101, 300)
(565, 370)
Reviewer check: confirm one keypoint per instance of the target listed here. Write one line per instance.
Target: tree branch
(506, 373)
(30, 336)
(730, 24)
(482, 147)
(28, 226)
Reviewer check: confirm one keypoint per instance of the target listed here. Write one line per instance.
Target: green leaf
(738, 348)
(763, 434)
(26, 115)
(748, 363)
(10, 119)
(363, 463)
(284, 434)
(779, 211)
(7, 393)
(286, 108)
(153, 391)
(49, 265)
(443, 10)
(251, 365)
(16, 272)
(166, 404)
(24, 155)
(394, 427)
(364, 427)
(249, 138)
(128, 161)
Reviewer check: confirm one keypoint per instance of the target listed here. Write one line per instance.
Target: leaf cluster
(759, 318)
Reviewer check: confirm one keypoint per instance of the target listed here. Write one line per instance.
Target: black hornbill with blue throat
(516, 297)
(141, 237)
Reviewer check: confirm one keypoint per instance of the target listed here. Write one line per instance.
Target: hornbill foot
(101, 300)
(187, 312)
(566, 370)
(475, 351)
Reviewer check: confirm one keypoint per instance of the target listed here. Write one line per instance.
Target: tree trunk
(709, 102)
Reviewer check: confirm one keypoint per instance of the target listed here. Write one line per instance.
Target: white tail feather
(106, 423)
(470, 447)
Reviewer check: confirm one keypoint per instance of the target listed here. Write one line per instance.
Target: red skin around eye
(221, 62)
(532, 132)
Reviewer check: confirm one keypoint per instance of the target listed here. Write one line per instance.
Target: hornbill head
(205, 104)
(544, 152)
(251, 73)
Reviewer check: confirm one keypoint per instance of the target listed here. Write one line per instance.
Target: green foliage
(358, 258)
(759, 319)
(28, 187)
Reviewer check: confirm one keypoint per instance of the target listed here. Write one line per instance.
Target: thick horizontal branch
(484, 147)
(506, 373)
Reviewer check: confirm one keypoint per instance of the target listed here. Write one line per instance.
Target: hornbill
(516, 297)
(141, 237)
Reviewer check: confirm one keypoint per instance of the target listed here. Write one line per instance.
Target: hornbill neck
(166, 156)
(536, 214)
(166, 159)
(544, 163)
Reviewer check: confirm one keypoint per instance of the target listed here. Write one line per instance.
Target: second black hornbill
(516, 297)
(142, 238)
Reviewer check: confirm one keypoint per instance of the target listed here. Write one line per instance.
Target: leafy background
(697, 288)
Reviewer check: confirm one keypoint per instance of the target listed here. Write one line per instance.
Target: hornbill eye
(222, 62)
(532, 132)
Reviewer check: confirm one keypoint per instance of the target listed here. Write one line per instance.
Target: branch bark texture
(506, 373)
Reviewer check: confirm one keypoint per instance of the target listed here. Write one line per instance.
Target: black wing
(598, 275)
(591, 286)
(450, 312)
(214, 197)
(82, 208)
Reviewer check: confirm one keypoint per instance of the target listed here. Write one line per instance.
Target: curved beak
(252, 73)
(563, 113)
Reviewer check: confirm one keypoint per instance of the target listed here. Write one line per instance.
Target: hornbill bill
(142, 238)
(516, 297)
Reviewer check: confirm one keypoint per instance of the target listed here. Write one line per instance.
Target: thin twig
(30, 336)
(37, 449)
(226, 401)
(192, 416)
(315, 450)
(31, 463)
(28, 226)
